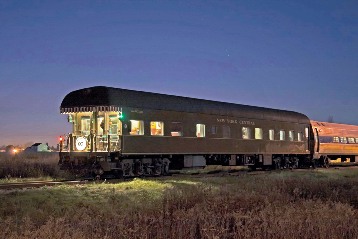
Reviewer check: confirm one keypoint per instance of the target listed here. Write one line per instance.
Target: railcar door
(311, 142)
(316, 140)
(114, 132)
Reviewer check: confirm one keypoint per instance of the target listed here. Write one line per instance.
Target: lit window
(291, 135)
(356, 140)
(200, 130)
(351, 140)
(306, 132)
(85, 125)
(246, 133)
(137, 127)
(343, 140)
(299, 136)
(226, 131)
(176, 129)
(282, 135)
(335, 139)
(258, 133)
(156, 128)
(271, 134)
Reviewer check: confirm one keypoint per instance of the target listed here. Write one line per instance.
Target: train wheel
(313, 163)
(158, 167)
(285, 163)
(127, 168)
(139, 169)
(147, 169)
(294, 162)
(326, 162)
(275, 163)
(165, 166)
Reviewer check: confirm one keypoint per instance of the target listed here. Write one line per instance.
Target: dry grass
(20, 166)
(314, 204)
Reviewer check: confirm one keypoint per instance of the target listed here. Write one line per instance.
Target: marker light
(120, 114)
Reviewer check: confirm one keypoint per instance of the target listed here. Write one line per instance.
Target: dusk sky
(292, 55)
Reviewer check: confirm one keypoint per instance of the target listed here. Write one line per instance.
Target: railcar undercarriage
(268, 161)
(102, 164)
(97, 165)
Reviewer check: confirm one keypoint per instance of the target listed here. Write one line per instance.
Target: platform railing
(94, 143)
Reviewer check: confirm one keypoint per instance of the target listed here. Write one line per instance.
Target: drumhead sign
(81, 143)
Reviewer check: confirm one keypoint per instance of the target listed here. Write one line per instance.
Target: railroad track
(214, 173)
(36, 184)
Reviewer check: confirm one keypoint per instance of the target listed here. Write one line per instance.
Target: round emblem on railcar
(81, 143)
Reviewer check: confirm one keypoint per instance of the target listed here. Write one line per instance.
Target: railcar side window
(291, 135)
(343, 140)
(258, 133)
(137, 127)
(176, 129)
(356, 140)
(246, 133)
(200, 130)
(214, 129)
(226, 131)
(306, 132)
(335, 139)
(85, 125)
(156, 128)
(282, 135)
(271, 134)
(351, 140)
(299, 136)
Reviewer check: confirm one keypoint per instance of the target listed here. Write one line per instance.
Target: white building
(38, 147)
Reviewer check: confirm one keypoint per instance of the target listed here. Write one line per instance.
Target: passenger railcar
(134, 133)
(335, 141)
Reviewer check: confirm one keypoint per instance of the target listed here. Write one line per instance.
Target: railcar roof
(108, 96)
(335, 129)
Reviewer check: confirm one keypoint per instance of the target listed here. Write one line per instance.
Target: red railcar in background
(335, 141)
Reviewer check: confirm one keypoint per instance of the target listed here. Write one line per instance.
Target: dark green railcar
(135, 133)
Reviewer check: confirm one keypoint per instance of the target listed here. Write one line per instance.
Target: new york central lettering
(229, 121)
(246, 122)
(234, 121)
